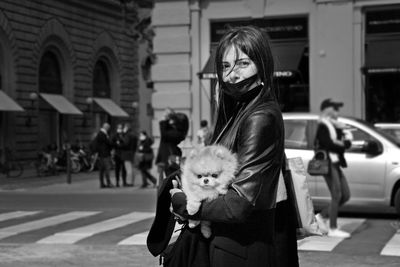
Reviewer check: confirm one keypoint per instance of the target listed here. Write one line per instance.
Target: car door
(364, 174)
(299, 138)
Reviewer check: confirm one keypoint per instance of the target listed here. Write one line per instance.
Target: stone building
(343, 49)
(65, 67)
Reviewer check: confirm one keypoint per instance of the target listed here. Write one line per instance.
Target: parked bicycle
(11, 167)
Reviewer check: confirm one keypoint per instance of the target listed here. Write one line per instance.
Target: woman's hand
(175, 189)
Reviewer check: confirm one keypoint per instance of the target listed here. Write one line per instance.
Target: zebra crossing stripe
(16, 214)
(140, 239)
(392, 248)
(325, 243)
(74, 235)
(42, 223)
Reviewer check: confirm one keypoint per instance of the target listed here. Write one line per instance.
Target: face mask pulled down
(237, 90)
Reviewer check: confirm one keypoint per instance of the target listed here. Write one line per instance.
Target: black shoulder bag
(190, 249)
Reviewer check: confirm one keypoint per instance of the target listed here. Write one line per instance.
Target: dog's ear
(220, 152)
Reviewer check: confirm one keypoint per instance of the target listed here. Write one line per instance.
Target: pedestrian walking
(331, 137)
(117, 141)
(145, 158)
(129, 145)
(173, 130)
(103, 148)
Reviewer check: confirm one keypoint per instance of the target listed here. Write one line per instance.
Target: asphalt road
(22, 243)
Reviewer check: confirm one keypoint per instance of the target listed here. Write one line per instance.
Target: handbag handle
(320, 155)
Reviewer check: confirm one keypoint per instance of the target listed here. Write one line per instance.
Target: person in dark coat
(332, 138)
(173, 130)
(117, 142)
(128, 149)
(252, 224)
(103, 148)
(146, 158)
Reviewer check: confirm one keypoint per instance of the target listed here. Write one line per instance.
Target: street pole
(68, 148)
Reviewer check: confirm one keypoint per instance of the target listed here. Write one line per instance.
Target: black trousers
(120, 171)
(104, 171)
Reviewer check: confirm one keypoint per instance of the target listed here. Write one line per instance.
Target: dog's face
(210, 167)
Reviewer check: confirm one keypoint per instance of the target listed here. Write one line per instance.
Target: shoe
(338, 233)
(321, 224)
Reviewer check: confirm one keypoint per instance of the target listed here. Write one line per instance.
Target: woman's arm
(326, 141)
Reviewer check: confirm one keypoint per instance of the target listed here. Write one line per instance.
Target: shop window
(50, 74)
(293, 86)
(101, 80)
(383, 97)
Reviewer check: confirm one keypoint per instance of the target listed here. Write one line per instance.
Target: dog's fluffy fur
(207, 173)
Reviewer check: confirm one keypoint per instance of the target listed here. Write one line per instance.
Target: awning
(8, 104)
(287, 56)
(61, 104)
(110, 107)
(382, 57)
(209, 71)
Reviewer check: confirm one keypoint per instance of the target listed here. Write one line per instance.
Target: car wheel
(397, 201)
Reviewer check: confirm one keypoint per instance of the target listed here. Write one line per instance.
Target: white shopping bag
(305, 210)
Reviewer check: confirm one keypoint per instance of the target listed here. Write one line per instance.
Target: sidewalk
(82, 182)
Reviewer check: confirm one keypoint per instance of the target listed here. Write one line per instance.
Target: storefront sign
(383, 21)
(283, 74)
(277, 28)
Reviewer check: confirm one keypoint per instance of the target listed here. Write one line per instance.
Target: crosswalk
(132, 228)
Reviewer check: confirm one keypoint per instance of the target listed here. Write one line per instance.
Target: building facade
(342, 49)
(65, 67)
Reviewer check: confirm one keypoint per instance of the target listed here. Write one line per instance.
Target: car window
(393, 132)
(296, 134)
(359, 137)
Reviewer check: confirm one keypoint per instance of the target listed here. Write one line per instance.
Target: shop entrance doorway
(382, 97)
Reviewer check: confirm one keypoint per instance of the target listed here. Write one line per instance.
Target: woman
(146, 158)
(333, 138)
(250, 226)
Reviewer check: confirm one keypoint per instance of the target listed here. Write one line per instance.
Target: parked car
(373, 171)
(390, 128)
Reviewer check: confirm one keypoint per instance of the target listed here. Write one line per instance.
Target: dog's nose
(205, 181)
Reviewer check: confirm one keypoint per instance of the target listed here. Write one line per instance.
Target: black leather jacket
(256, 135)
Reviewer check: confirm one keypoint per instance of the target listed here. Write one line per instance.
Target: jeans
(104, 171)
(119, 170)
(340, 193)
(147, 175)
(129, 171)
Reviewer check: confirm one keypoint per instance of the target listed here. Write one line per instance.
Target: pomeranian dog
(207, 172)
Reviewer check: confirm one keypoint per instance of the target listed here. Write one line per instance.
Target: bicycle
(11, 167)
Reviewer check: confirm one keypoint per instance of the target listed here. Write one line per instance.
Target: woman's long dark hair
(254, 42)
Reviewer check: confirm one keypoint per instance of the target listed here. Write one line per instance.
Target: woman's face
(237, 67)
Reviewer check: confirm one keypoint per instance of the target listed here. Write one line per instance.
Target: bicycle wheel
(75, 166)
(14, 169)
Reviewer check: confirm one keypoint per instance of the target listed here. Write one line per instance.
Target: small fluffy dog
(207, 173)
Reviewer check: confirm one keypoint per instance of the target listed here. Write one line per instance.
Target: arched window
(50, 74)
(101, 80)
